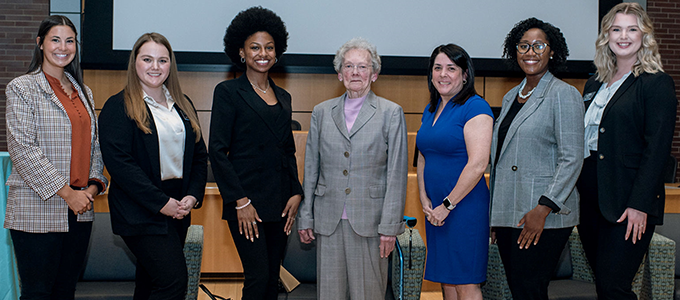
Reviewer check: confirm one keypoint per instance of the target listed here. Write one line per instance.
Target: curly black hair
(248, 22)
(555, 38)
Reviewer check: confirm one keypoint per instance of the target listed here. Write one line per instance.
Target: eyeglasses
(360, 68)
(539, 47)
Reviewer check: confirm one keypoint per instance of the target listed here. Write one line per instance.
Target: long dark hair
(461, 58)
(72, 68)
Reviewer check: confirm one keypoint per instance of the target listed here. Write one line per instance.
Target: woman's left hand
(438, 215)
(291, 211)
(186, 205)
(533, 222)
(637, 222)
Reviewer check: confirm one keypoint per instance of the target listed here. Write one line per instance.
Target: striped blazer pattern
(39, 144)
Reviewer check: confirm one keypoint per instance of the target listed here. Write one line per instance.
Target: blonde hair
(648, 58)
(135, 107)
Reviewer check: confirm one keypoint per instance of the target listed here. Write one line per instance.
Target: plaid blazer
(39, 144)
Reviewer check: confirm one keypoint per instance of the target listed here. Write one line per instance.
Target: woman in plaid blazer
(53, 143)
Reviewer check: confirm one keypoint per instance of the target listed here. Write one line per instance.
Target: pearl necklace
(258, 88)
(519, 93)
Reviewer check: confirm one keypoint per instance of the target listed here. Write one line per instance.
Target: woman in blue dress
(454, 141)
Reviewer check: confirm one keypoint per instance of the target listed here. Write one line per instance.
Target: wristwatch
(447, 204)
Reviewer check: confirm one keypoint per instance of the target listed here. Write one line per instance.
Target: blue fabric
(9, 279)
(457, 251)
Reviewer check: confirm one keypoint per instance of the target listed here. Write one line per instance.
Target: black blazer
(251, 156)
(634, 142)
(132, 159)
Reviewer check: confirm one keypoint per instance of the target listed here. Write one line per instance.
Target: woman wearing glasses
(355, 180)
(537, 154)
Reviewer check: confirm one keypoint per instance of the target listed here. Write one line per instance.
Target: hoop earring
(277, 60)
(464, 81)
(243, 60)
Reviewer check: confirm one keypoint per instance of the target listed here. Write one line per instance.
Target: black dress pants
(161, 267)
(613, 259)
(529, 270)
(49, 264)
(261, 259)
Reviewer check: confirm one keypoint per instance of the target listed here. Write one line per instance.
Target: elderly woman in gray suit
(355, 180)
(537, 146)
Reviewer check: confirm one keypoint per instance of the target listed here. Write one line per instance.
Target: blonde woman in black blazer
(630, 118)
(252, 151)
(153, 191)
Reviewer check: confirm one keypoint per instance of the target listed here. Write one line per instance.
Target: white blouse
(593, 115)
(171, 136)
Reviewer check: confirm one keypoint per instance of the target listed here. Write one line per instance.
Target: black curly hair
(555, 38)
(248, 22)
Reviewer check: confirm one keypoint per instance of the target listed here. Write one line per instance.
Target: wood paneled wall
(309, 90)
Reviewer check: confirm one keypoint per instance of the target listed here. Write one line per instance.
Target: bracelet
(244, 205)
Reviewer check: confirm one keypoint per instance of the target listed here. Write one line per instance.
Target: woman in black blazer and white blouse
(629, 123)
(153, 149)
(252, 151)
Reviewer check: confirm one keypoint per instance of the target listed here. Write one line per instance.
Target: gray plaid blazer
(364, 170)
(39, 144)
(542, 155)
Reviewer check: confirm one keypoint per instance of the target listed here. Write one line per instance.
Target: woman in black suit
(629, 123)
(252, 150)
(153, 149)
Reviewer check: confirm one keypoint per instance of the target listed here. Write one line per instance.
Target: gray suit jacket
(364, 170)
(542, 155)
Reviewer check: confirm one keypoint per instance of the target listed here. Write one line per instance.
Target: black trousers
(529, 270)
(261, 259)
(49, 264)
(613, 259)
(161, 267)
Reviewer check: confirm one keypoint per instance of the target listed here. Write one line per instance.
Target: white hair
(357, 43)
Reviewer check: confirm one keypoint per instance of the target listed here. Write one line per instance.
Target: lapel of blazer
(285, 104)
(589, 93)
(619, 92)
(338, 115)
(151, 143)
(365, 113)
(47, 88)
(254, 101)
(527, 109)
(189, 141)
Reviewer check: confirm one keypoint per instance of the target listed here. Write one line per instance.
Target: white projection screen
(401, 29)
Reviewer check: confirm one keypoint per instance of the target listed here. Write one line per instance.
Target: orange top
(81, 136)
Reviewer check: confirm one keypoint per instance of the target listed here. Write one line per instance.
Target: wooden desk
(672, 198)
